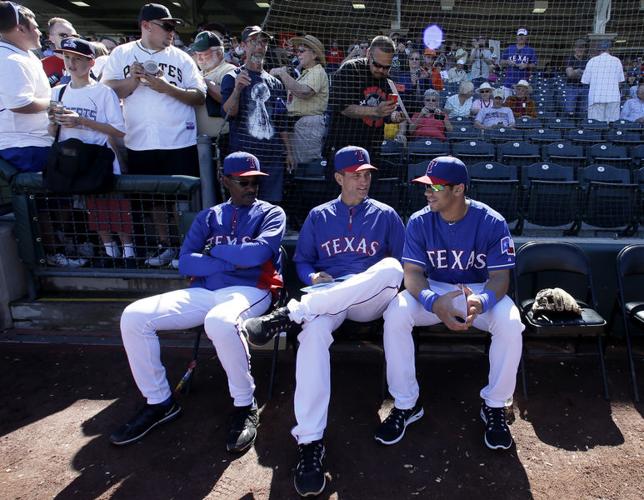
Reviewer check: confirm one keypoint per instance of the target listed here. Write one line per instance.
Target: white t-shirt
(603, 73)
(95, 102)
(23, 80)
(99, 64)
(155, 120)
(495, 116)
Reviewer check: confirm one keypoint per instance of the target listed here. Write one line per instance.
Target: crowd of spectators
(288, 104)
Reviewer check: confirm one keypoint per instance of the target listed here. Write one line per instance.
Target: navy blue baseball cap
(352, 159)
(76, 46)
(445, 170)
(242, 164)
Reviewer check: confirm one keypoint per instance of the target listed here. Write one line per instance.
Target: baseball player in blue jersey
(232, 254)
(351, 235)
(457, 259)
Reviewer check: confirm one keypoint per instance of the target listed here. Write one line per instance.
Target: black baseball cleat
(144, 421)
(497, 434)
(243, 428)
(309, 477)
(392, 429)
(262, 329)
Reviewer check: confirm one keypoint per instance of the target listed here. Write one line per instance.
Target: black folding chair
(610, 154)
(565, 153)
(630, 267)
(497, 185)
(545, 265)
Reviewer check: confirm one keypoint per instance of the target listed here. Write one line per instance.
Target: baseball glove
(554, 301)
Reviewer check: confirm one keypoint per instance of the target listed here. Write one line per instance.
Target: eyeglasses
(245, 182)
(302, 50)
(414, 58)
(169, 27)
(485, 91)
(437, 187)
(431, 99)
(380, 66)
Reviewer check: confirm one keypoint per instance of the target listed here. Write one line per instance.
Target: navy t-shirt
(260, 118)
(575, 64)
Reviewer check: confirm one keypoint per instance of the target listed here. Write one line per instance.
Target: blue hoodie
(230, 245)
(339, 239)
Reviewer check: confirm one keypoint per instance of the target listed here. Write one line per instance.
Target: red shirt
(428, 126)
(334, 56)
(53, 66)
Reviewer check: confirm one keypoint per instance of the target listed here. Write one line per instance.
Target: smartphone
(392, 97)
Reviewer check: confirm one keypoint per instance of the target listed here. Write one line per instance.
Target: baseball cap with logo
(157, 12)
(242, 164)
(445, 170)
(205, 40)
(522, 31)
(78, 46)
(254, 30)
(352, 159)
(498, 93)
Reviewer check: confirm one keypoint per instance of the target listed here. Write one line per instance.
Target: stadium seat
(543, 135)
(551, 195)
(565, 153)
(630, 276)
(387, 190)
(414, 193)
(470, 152)
(637, 155)
(426, 149)
(593, 125)
(581, 136)
(314, 168)
(609, 199)
(463, 133)
(497, 185)
(545, 116)
(626, 125)
(525, 123)
(559, 123)
(306, 193)
(542, 265)
(392, 159)
(610, 154)
(502, 135)
(625, 137)
(462, 121)
(518, 153)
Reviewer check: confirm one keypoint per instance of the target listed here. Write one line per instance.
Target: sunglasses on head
(380, 66)
(166, 26)
(245, 182)
(436, 187)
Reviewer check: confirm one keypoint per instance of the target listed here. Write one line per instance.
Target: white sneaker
(174, 264)
(60, 260)
(162, 257)
(80, 262)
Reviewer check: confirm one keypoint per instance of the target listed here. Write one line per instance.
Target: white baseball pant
(503, 321)
(220, 311)
(362, 298)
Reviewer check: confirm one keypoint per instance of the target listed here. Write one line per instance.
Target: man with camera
(480, 61)
(160, 86)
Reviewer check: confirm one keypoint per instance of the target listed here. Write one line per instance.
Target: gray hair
(465, 88)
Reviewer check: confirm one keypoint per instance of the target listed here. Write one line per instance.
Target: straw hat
(312, 43)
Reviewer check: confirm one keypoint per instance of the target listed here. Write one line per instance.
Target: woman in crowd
(484, 100)
(430, 121)
(460, 104)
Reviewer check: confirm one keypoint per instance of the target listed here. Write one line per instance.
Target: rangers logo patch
(507, 245)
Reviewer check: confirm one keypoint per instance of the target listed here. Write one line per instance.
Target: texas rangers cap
(352, 159)
(205, 40)
(242, 164)
(445, 170)
(254, 30)
(156, 12)
(77, 46)
(522, 31)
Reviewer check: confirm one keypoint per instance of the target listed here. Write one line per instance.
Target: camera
(439, 116)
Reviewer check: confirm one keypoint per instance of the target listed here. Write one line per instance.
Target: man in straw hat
(307, 99)
(520, 103)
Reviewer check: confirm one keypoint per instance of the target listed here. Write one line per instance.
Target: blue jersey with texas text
(462, 252)
(340, 240)
(230, 245)
(523, 55)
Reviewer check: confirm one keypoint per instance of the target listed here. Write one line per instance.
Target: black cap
(77, 46)
(205, 40)
(254, 30)
(155, 11)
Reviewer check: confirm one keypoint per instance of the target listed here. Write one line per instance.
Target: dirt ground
(59, 404)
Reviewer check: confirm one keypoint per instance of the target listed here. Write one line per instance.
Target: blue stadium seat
(502, 135)
(581, 136)
(415, 193)
(392, 159)
(637, 155)
(527, 123)
(426, 149)
(626, 125)
(593, 125)
(471, 152)
(559, 123)
(626, 137)
(497, 185)
(610, 154)
(463, 133)
(565, 153)
(518, 153)
(460, 120)
(609, 199)
(387, 190)
(543, 135)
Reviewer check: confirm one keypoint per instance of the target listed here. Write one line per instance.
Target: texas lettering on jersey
(440, 259)
(350, 245)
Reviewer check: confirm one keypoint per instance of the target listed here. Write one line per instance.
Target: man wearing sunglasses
(457, 259)
(232, 254)
(355, 237)
(359, 100)
(159, 109)
(58, 29)
(24, 93)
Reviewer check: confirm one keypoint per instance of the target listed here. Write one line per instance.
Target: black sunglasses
(245, 182)
(166, 26)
